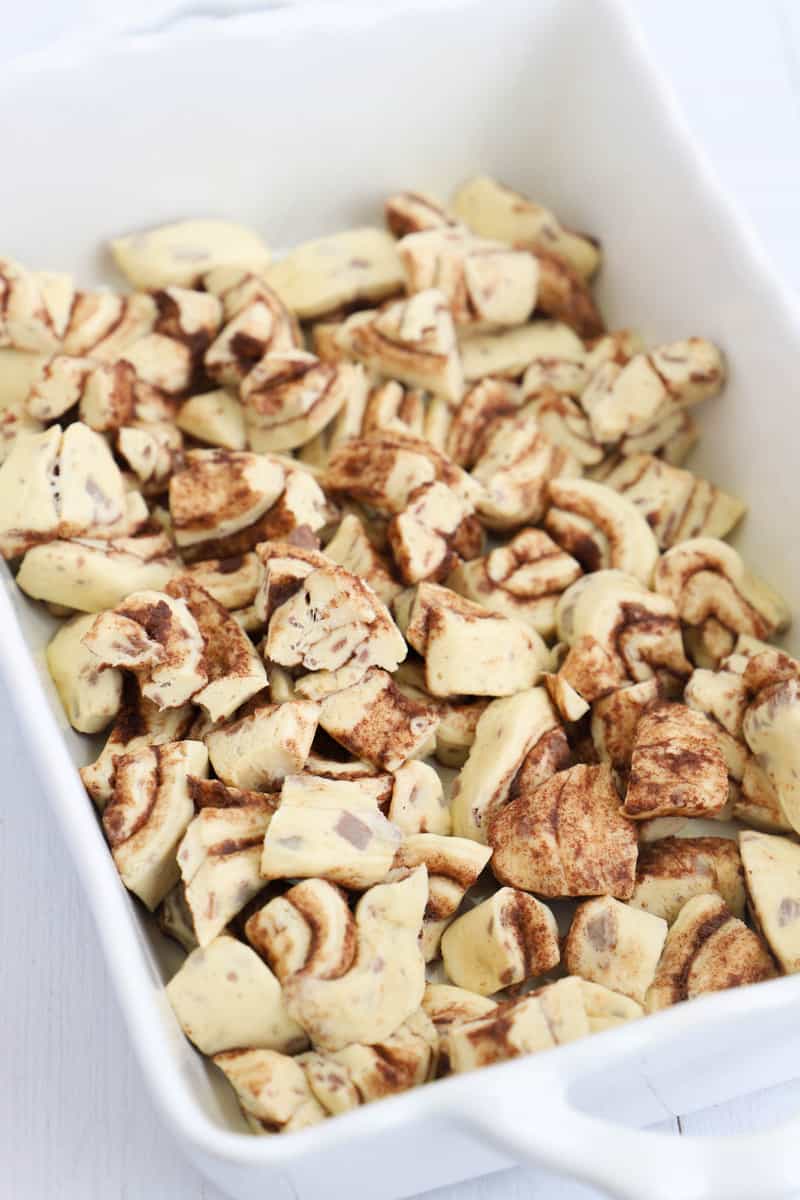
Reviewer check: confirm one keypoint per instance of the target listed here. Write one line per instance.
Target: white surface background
(75, 1120)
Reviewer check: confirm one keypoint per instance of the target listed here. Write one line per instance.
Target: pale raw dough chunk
(332, 273)
(219, 859)
(487, 284)
(56, 485)
(614, 945)
(469, 650)
(568, 837)
(673, 869)
(606, 1009)
(722, 696)
(157, 637)
(771, 723)
(181, 253)
(772, 872)
(707, 950)
(260, 749)
(601, 528)
(362, 976)
(493, 210)
(412, 340)
(508, 938)
(512, 734)
(352, 549)
(216, 418)
(677, 768)
(516, 469)
(329, 829)
(677, 504)
(91, 695)
(522, 579)
(510, 353)
(257, 323)
(148, 814)
(233, 582)
(377, 723)
(550, 1016)
(562, 420)
(226, 998)
(138, 724)
(454, 865)
(272, 1090)
(221, 492)
(418, 803)
(92, 575)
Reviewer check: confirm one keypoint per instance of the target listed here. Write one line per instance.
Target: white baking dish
(299, 121)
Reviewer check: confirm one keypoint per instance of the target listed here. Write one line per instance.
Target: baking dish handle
(549, 1132)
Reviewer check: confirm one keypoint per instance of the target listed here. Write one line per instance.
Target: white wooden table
(75, 1120)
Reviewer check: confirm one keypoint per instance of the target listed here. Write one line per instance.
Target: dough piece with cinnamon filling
(329, 829)
(522, 579)
(290, 397)
(219, 859)
(677, 768)
(707, 950)
(148, 814)
(487, 284)
(56, 485)
(677, 504)
(411, 212)
(671, 870)
(567, 837)
(272, 1090)
(359, 1074)
(482, 404)
(138, 724)
(156, 636)
(411, 340)
(225, 502)
(505, 940)
(454, 865)
(377, 723)
(601, 528)
(519, 740)
(624, 399)
(334, 628)
(469, 650)
(516, 467)
(352, 549)
(619, 632)
(35, 308)
(359, 977)
(383, 471)
(614, 945)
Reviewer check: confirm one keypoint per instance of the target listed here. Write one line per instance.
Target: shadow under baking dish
(299, 121)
